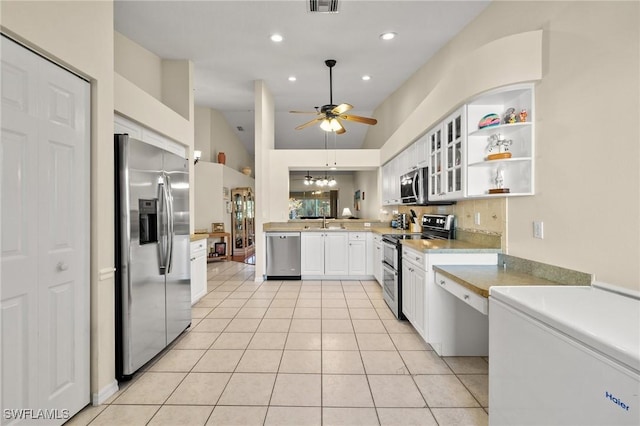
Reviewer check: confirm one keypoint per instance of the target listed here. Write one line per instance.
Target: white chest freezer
(563, 355)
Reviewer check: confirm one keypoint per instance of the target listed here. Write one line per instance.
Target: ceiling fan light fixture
(389, 35)
(330, 125)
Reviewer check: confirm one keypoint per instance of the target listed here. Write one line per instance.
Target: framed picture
(225, 192)
(217, 227)
(221, 249)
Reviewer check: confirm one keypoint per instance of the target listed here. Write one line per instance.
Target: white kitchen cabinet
(447, 143)
(336, 256)
(377, 258)
(414, 305)
(312, 253)
(407, 160)
(422, 151)
(391, 182)
(514, 171)
(198, 269)
(357, 255)
(369, 253)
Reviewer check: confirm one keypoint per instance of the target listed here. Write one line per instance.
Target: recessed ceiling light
(277, 38)
(366, 77)
(292, 78)
(388, 36)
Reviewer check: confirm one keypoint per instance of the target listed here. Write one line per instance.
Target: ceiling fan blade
(342, 108)
(309, 123)
(358, 119)
(304, 112)
(341, 130)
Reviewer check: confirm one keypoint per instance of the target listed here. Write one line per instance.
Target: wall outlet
(476, 218)
(367, 224)
(538, 229)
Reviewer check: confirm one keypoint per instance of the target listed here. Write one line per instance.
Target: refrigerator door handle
(170, 220)
(163, 225)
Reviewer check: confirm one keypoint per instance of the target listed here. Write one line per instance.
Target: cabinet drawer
(198, 247)
(474, 300)
(414, 257)
(357, 236)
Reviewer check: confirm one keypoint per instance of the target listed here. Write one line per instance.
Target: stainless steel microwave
(413, 187)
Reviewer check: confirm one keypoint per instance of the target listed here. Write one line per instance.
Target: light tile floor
(297, 353)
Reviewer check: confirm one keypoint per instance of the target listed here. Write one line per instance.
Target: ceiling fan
(329, 116)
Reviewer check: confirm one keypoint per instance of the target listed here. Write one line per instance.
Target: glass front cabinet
(242, 223)
(446, 143)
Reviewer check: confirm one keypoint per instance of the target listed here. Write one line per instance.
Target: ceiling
(229, 45)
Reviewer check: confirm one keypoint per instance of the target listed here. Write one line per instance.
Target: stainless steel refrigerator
(153, 282)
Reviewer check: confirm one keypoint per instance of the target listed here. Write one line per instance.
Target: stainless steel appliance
(434, 226)
(414, 189)
(283, 256)
(153, 282)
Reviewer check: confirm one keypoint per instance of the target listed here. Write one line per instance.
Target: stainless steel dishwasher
(283, 255)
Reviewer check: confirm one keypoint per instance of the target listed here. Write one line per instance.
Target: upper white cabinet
(500, 157)
(469, 161)
(446, 143)
(391, 182)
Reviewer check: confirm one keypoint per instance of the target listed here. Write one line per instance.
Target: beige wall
(367, 182)
(214, 135)
(587, 151)
(79, 35)
(140, 66)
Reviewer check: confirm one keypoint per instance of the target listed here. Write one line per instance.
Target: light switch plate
(538, 229)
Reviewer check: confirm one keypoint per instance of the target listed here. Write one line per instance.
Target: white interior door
(44, 156)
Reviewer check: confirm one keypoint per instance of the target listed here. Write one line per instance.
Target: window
(314, 204)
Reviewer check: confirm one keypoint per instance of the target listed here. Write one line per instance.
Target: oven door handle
(390, 268)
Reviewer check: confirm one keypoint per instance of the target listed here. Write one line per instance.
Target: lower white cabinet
(357, 257)
(377, 258)
(414, 305)
(336, 259)
(333, 254)
(198, 269)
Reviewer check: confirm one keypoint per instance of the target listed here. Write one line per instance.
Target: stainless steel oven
(391, 278)
(391, 289)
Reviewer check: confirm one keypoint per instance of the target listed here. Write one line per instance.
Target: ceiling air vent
(323, 6)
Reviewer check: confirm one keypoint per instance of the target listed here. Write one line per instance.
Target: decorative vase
(222, 158)
(246, 171)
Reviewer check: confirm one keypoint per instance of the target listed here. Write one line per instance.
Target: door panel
(179, 278)
(45, 233)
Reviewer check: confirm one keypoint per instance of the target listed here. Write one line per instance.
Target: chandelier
(320, 181)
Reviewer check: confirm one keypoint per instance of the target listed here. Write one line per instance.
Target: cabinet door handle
(466, 297)
(61, 266)
(417, 259)
(442, 283)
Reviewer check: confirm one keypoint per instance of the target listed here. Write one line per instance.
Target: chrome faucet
(324, 222)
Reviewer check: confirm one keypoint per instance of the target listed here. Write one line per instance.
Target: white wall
(79, 35)
(367, 182)
(587, 105)
(140, 66)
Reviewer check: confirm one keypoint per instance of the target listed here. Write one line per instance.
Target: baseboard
(105, 393)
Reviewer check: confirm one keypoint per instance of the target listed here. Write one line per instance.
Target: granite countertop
(479, 278)
(447, 246)
(198, 237)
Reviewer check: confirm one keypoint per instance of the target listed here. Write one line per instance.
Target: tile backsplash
(492, 211)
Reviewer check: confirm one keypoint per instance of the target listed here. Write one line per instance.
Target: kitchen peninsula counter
(518, 272)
